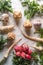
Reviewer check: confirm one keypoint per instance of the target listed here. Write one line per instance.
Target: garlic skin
(37, 25)
(17, 15)
(27, 25)
(5, 18)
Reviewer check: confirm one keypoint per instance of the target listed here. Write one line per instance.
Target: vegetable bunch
(23, 51)
(32, 8)
(5, 5)
(22, 55)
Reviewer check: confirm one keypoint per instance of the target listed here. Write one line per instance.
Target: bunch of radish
(23, 51)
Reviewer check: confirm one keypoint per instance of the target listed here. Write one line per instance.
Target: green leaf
(20, 61)
(25, 12)
(5, 5)
(2, 42)
(33, 8)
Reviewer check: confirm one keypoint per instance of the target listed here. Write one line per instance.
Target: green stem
(9, 9)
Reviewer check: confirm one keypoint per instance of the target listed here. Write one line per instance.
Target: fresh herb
(2, 42)
(20, 61)
(41, 58)
(5, 5)
(32, 7)
(40, 54)
(38, 57)
(35, 57)
(40, 32)
(39, 44)
(40, 12)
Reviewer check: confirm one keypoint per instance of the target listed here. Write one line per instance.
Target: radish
(18, 53)
(25, 48)
(18, 48)
(23, 55)
(28, 56)
(29, 52)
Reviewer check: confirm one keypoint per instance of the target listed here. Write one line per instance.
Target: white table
(16, 5)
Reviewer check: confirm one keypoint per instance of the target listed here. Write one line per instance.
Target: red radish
(25, 49)
(23, 55)
(18, 48)
(18, 53)
(28, 56)
(29, 52)
(24, 45)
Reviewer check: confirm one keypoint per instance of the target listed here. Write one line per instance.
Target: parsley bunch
(32, 8)
(5, 5)
(41, 58)
(38, 57)
(40, 32)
